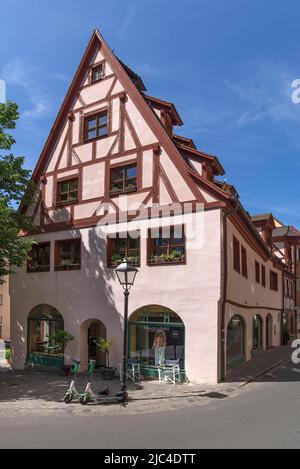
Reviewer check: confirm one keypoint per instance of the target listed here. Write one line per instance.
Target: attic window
(97, 73)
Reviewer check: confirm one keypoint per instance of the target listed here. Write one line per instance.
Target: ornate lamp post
(126, 274)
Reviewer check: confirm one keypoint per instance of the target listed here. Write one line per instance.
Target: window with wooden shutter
(236, 255)
(273, 281)
(263, 275)
(257, 272)
(244, 263)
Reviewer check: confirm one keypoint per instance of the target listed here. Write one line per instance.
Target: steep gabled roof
(135, 78)
(125, 77)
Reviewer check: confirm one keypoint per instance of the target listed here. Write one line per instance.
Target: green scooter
(72, 392)
(102, 397)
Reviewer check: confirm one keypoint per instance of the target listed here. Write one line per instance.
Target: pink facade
(113, 154)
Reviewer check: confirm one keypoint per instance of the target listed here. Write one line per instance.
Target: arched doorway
(257, 338)
(156, 334)
(43, 322)
(269, 331)
(235, 352)
(90, 332)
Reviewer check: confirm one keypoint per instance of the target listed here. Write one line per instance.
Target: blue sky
(227, 65)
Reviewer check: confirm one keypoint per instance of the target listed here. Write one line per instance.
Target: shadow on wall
(84, 294)
(95, 300)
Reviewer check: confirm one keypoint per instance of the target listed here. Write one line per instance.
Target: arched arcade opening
(156, 334)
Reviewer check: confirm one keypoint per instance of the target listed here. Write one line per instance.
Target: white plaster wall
(191, 290)
(93, 181)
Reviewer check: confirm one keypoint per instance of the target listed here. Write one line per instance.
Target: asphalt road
(264, 415)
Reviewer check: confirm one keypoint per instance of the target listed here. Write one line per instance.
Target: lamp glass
(126, 273)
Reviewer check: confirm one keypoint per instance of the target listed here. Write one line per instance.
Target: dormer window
(97, 73)
(167, 121)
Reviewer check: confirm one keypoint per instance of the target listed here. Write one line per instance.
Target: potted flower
(177, 256)
(8, 356)
(105, 345)
(116, 259)
(133, 260)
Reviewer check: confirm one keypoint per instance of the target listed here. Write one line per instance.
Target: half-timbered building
(114, 180)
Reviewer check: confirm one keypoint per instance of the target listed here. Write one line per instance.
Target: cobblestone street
(42, 393)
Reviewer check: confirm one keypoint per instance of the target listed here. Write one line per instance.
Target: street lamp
(126, 274)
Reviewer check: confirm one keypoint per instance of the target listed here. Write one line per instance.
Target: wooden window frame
(125, 190)
(39, 268)
(263, 276)
(92, 116)
(244, 262)
(257, 272)
(93, 68)
(236, 248)
(273, 281)
(72, 266)
(169, 248)
(110, 250)
(70, 178)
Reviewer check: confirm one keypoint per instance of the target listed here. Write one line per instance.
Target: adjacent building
(114, 180)
(5, 311)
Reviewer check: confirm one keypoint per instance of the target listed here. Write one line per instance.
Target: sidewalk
(260, 364)
(39, 393)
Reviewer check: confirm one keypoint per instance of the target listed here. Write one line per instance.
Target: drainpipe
(224, 284)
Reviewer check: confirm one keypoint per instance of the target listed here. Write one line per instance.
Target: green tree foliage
(15, 186)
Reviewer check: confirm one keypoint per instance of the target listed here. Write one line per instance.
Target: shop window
(122, 247)
(96, 126)
(236, 255)
(67, 192)
(43, 323)
(68, 254)
(235, 342)
(257, 333)
(166, 246)
(39, 258)
(156, 334)
(123, 179)
(273, 281)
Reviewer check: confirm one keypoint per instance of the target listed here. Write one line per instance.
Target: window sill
(38, 269)
(90, 140)
(152, 262)
(113, 265)
(126, 191)
(64, 204)
(67, 267)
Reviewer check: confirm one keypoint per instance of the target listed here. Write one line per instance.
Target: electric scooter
(72, 392)
(102, 397)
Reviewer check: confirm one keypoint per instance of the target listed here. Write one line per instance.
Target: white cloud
(19, 73)
(264, 89)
